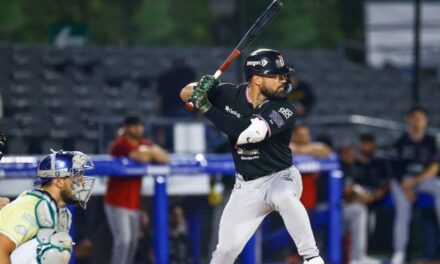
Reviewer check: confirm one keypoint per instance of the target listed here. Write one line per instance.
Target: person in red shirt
(302, 144)
(123, 197)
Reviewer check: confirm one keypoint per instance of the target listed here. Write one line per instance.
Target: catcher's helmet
(265, 62)
(62, 164)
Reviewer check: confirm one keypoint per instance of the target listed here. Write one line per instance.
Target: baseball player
(34, 227)
(258, 119)
(417, 165)
(365, 183)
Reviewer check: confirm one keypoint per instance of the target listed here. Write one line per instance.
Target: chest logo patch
(232, 111)
(287, 113)
(276, 118)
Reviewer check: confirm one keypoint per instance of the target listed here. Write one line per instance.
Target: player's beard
(67, 196)
(274, 95)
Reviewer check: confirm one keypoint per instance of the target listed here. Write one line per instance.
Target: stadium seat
(17, 145)
(47, 144)
(55, 59)
(85, 145)
(88, 83)
(10, 127)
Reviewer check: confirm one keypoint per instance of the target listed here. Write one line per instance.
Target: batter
(258, 119)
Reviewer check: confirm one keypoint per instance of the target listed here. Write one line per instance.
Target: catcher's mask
(62, 164)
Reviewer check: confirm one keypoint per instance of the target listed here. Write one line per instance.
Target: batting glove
(206, 83)
(201, 101)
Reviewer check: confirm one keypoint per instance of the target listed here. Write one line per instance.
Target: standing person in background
(416, 167)
(347, 158)
(179, 243)
(301, 144)
(144, 254)
(302, 96)
(169, 84)
(122, 201)
(364, 185)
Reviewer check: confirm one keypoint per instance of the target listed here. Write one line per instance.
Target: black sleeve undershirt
(228, 124)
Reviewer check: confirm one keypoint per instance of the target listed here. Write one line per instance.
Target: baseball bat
(263, 20)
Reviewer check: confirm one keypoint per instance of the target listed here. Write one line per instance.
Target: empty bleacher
(54, 97)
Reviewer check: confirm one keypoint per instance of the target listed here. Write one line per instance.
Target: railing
(25, 167)
(111, 124)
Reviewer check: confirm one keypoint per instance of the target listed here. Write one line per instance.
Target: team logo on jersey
(287, 113)
(263, 62)
(21, 229)
(276, 118)
(248, 154)
(232, 111)
(28, 218)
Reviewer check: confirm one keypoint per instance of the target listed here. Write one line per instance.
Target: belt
(250, 178)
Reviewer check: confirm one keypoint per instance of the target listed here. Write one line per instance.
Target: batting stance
(258, 120)
(34, 228)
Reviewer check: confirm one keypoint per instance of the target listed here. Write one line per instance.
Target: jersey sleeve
(18, 222)
(278, 116)
(217, 94)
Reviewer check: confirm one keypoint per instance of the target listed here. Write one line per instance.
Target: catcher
(34, 227)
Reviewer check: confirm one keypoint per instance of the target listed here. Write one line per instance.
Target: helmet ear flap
(288, 87)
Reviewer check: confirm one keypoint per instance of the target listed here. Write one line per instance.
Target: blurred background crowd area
(70, 71)
(105, 59)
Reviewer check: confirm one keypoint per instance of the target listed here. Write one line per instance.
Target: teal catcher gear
(53, 247)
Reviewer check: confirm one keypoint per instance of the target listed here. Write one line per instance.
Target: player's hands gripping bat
(200, 93)
(268, 15)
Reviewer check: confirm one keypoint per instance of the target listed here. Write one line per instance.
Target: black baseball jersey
(370, 175)
(271, 155)
(412, 157)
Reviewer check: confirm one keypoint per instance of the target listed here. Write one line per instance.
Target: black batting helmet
(265, 62)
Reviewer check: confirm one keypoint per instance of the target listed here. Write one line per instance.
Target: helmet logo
(263, 62)
(281, 61)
